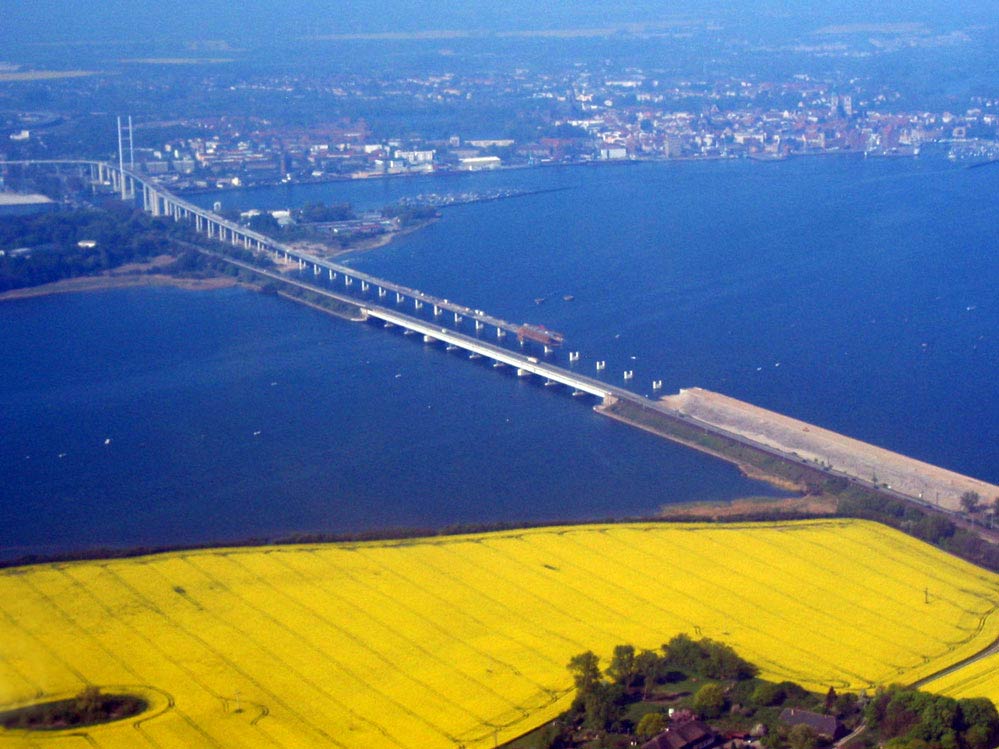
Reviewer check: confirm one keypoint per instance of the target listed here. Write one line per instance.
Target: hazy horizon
(255, 21)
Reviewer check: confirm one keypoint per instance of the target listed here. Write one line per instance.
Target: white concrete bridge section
(830, 450)
(523, 364)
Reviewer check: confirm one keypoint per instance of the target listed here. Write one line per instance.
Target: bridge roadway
(524, 363)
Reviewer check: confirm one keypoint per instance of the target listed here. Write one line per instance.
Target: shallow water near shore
(859, 295)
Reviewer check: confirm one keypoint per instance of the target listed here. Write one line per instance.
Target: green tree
(622, 668)
(648, 667)
(830, 701)
(846, 704)
(709, 701)
(585, 670)
(601, 705)
(651, 724)
(265, 223)
(980, 722)
(767, 694)
(906, 743)
(722, 662)
(970, 502)
(682, 653)
(802, 736)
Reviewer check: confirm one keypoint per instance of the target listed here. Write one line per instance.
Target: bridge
(159, 201)
(477, 348)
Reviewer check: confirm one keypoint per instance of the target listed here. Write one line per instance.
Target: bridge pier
(381, 292)
(417, 304)
(399, 298)
(500, 333)
(437, 311)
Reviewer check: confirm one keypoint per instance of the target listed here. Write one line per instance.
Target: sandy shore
(743, 507)
(104, 282)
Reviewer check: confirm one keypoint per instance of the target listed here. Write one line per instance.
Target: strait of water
(856, 294)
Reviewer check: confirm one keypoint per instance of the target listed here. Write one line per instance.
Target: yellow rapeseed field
(463, 641)
(978, 679)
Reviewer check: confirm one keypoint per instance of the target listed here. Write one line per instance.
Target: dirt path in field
(984, 653)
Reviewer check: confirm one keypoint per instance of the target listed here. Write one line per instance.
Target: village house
(692, 734)
(825, 726)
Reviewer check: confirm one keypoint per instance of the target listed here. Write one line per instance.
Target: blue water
(872, 284)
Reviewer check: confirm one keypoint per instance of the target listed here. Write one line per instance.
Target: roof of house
(679, 736)
(824, 725)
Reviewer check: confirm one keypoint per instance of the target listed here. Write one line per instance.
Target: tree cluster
(927, 525)
(601, 694)
(121, 234)
(315, 213)
(909, 719)
(408, 215)
(89, 707)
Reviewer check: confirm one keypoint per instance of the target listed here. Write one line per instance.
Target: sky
(40, 21)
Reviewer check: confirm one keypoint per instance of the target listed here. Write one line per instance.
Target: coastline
(326, 250)
(592, 163)
(108, 282)
(136, 275)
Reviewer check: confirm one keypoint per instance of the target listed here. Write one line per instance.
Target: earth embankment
(830, 450)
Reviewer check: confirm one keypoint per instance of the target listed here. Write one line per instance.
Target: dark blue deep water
(858, 294)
